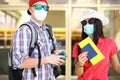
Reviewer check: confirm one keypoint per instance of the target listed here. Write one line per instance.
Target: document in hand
(94, 54)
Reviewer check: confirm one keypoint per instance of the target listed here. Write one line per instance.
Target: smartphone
(63, 53)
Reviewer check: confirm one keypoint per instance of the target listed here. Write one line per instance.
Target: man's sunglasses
(90, 21)
(39, 7)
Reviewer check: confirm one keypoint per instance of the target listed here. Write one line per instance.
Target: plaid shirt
(21, 44)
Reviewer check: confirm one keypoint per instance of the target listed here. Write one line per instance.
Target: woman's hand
(82, 58)
(79, 63)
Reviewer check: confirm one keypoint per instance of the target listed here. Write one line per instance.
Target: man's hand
(55, 59)
(57, 51)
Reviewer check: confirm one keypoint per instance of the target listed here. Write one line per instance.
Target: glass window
(2, 19)
(8, 21)
(113, 26)
(13, 22)
(84, 1)
(56, 18)
(8, 18)
(110, 1)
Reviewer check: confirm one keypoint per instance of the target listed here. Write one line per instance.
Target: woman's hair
(98, 31)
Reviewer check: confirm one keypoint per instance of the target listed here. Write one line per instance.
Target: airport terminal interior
(64, 17)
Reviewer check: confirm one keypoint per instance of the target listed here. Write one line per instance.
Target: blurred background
(63, 16)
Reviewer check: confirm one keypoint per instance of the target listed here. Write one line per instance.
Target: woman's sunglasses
(90, 21)
(39, 7)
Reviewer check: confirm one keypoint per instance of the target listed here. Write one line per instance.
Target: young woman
(92, 26)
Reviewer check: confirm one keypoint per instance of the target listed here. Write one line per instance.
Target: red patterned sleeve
(75, 50)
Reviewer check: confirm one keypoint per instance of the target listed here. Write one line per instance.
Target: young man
(38, 10)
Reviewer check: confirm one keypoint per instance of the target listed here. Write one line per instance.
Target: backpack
(16, 74)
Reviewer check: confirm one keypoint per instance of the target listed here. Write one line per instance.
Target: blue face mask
(89, 29)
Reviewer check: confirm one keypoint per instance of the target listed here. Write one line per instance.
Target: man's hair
(28, 12)
(98, 31)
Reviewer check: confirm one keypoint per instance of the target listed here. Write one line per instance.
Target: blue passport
(91, 52)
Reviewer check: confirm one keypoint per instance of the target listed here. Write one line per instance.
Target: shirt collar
(35, 23)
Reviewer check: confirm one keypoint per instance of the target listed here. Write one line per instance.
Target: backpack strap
(50, 32)
(34, 35)
(33, 44)
(10, 57)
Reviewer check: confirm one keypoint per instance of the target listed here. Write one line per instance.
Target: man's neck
(37, 21)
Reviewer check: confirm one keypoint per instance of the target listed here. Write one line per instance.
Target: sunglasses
(39, 7)
(90, 21)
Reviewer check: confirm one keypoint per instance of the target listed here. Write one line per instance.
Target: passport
(94, 54)
(90, 50)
